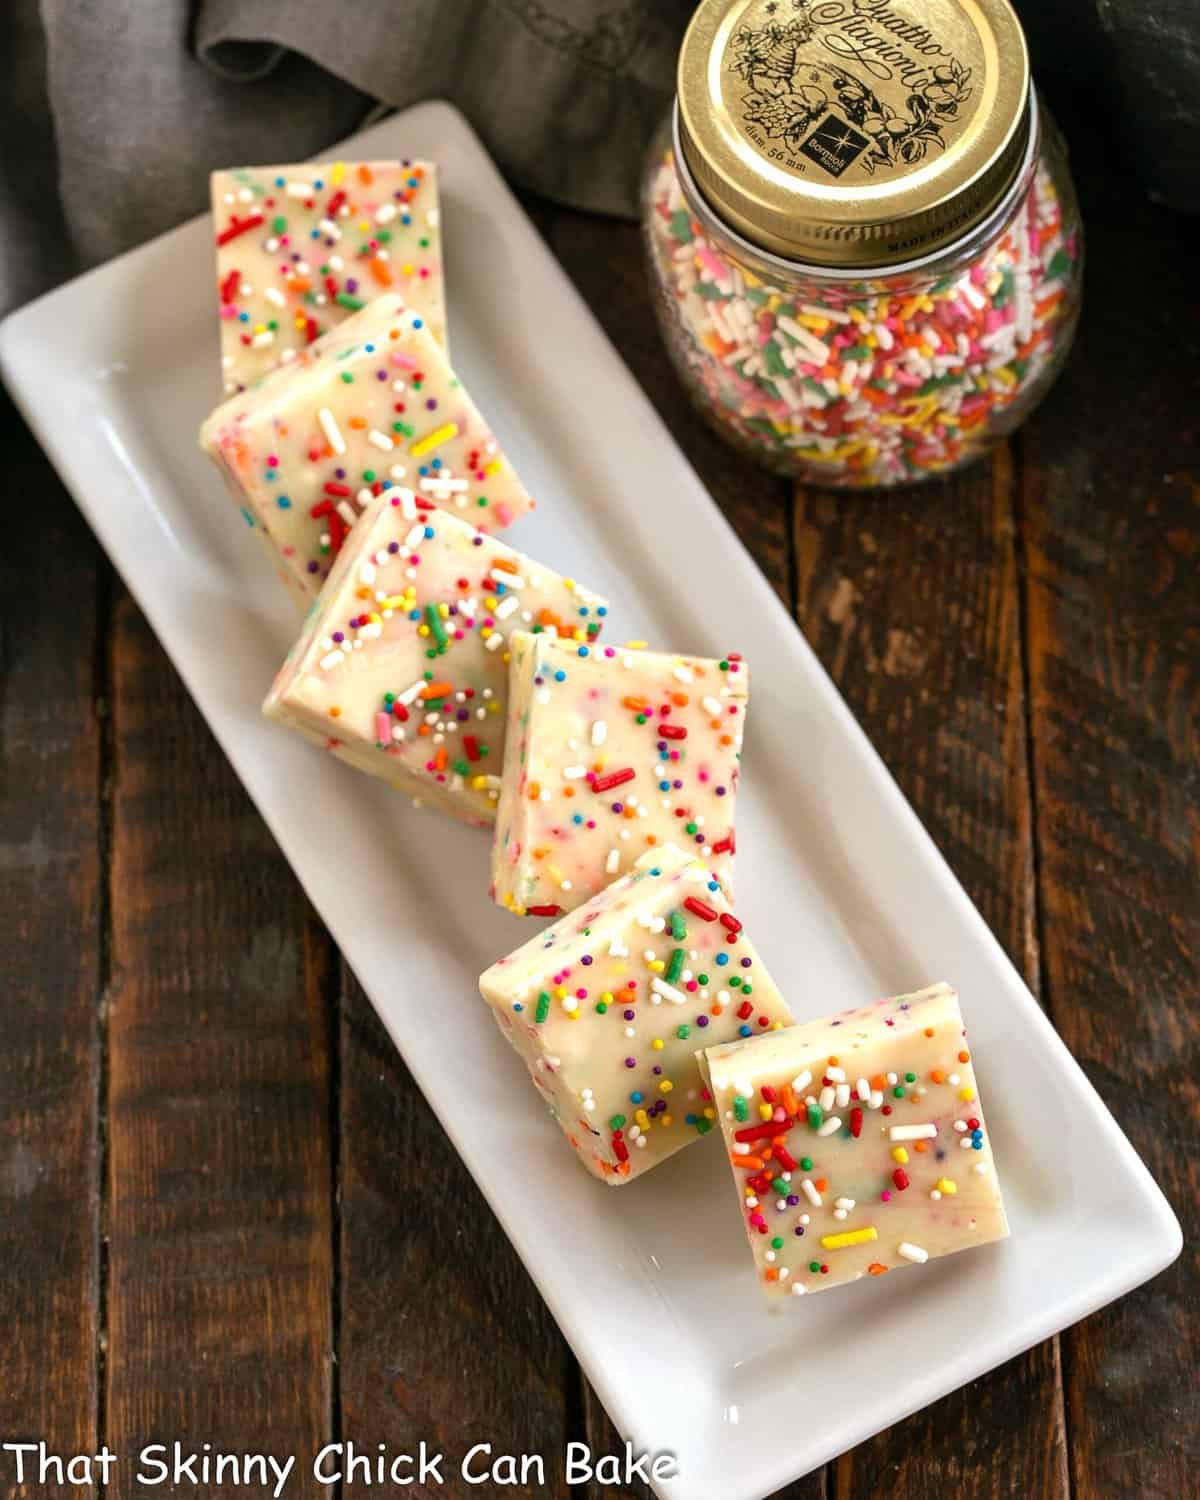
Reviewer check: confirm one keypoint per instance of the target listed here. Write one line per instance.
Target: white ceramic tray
(651, 1283)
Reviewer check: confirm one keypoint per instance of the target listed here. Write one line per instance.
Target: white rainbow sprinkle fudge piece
(402, 667)
(614, 751)
(302, 248)
(857, 1142)
(608, 1005)
(372, 404)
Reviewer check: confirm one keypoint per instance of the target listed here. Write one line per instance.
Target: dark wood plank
(911, 601)
(1112, 526)
(51, 893)
(604, 260)
(220, 1257)
(443, 1337)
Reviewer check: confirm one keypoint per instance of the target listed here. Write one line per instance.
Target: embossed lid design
(853, 132)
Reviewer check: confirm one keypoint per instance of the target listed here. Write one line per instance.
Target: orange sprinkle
(652, 838)
(680, 700)
(831, 1062)
(770, 1274)
(879, 1081)
(335, 713)
(568, 791)
(929, 1031)
(380, 271)
(535, 790)
(876, 1269)
(423, 730)
(436, 689)
(358, 423)
(920, 1146)
(441, 758)
(365, 175)
(750, 1163)
(505, 564)
(636, 704)
(938, 1076)
(787, 1095)
(821, 1184)
(964, 1057)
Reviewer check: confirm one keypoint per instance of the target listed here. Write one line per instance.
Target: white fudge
(402, 666)
(608, 1005)
(858, 1143)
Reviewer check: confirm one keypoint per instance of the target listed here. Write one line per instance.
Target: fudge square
(608, 1005)
(858, 1142)
(614, 751)
(300, 248)
(401, 669)
(371, 404)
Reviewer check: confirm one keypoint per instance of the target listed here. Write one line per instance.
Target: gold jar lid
(853, 132)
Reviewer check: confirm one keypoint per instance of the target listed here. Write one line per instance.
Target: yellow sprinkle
(658, 1044)
(607, 997)
(643, 1119)
(434, 439)
(493, 467)
(337, 172)
(899, 1154)
(665, 1086)
(635, 645)
(560, 991)
(665, 1120)
(394, 601)
(657, 965)
(851, 1237)
(710, 1113)
(966, 1095)
(945, 1185)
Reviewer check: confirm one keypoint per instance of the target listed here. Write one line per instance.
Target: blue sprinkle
(560, 676)
(583, 651)
(517, 1005)
(283, 502)
(636, 1097)
(976, 1145)
(744, 1031)
(722, 959)
(428, 531)
(418, 323)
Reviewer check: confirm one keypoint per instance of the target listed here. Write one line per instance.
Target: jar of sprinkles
(862, 233)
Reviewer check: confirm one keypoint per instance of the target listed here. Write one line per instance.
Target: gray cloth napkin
(113, 112)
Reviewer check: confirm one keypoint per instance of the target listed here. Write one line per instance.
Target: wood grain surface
(225, 1209)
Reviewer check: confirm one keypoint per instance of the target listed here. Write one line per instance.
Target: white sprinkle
(668, 991)
(261, 340)
(836, 1075)
(385, 214)
(843, 1095)
(494, 641)
(830, 1126)
(825, 1099)
(617, 949)
(810, 1192)
(798, 1289)
(415, 537)
(333, 658)
(573, 773)
(801, 1080)
(913, 1252)
(612, 863)
(684, 674)
(380, 440)
(506, 607)
(912, 1132)
(599, 732)
(509, 580)
(299, 189)
(711, 707)
(273, 294)
(330, 428)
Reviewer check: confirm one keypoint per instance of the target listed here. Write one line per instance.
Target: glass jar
(885, 329)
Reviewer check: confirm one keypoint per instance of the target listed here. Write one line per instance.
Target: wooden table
(225, 1212)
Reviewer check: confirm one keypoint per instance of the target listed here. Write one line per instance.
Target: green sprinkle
(910, 1078)
(601, 1007)
(675, 966)
(279, 224)
(703, 1126)
(741, 1110)
(814, 1265)
(806, 1163)
(436, 628)
(780, 1186)
(678, 927)
(898, 1092)
(1060, 264)
(774, 360)
(344, 299)
(681, 226)
(543, 1008)
(683, 1033)
(815, 1115)
(776, 1243)
(617, 1122)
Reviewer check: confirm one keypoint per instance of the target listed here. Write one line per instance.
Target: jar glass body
(866, 378)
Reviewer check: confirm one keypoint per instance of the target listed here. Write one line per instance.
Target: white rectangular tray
(115, 372)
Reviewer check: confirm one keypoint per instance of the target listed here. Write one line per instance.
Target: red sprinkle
(900, 1178)
(856, 1119)
(672, 732)
(239, 226)
(340, 490)
(471, 746)
(745, 1009)
(729, 922)
(757, 1132)
(723, 846)
(229, 287)
(612, 778)
(620, 1149)
(544, 911)
(700, 909)
(335, 203)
